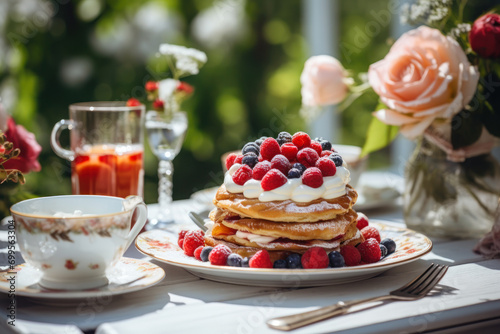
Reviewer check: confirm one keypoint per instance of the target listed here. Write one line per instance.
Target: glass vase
(450, 199)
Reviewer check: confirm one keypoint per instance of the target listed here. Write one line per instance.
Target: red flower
(484, 36)
(158, 104)
(185, 87)
(151, 86)
(26, 142)
(132, 102)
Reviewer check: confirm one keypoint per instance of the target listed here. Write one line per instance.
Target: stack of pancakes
(282, 227)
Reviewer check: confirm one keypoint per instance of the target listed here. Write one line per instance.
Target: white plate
(127, 276)
(162, 246)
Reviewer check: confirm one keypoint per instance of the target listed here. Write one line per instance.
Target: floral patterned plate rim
(128, 275)
(162, 246)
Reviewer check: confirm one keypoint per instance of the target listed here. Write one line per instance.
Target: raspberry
(261, 169)
(180, 242)
(315, 258)
(218, 255)
(239, 159)
(326, 166)
(307, 156)
(151, 86)
(281, 163)
(197, 253)
(242, 175)
(272, 180)
(261, 259)
(370, 232)
(301, 140)
(193, 240)
(289, 150)
(312, 177)
(317, 147)
(182, 234)
(230, 160)
(269, 148)
(351, 255)
(325, 153)
(370, 251)
(261, 158)
(133, 102)
(361, 221)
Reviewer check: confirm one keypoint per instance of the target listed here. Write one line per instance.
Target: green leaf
(379, 136)
(466, 129)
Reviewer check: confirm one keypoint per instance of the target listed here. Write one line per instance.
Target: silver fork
(413, 290)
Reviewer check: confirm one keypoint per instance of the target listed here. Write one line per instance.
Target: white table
(182, 303)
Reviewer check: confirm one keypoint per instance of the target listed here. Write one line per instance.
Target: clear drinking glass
(106, 153)
(166, 133)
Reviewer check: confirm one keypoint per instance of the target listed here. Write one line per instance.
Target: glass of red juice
(106, 140)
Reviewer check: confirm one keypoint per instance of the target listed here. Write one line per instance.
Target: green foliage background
(247, 89)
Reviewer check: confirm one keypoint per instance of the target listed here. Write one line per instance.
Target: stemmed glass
(166, 133)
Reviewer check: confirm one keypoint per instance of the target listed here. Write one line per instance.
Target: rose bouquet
(438, 85)
(19, 152)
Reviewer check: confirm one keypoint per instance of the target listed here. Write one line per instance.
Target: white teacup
(74, 239)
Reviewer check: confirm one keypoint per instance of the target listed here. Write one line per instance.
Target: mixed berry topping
(291, 155)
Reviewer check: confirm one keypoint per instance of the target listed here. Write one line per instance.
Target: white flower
(187, 61)
(166, 89)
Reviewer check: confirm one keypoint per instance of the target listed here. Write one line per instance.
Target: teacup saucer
(128, 275)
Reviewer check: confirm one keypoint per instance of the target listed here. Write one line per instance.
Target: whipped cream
(261, 239)
(294, 189)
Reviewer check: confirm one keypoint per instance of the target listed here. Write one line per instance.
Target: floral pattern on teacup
(60, 228)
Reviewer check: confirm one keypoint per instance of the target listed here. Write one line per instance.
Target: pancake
(247, 251)
(323, 230)
(286, 211)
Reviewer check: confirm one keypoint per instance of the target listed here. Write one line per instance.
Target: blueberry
(260, 140)
(300, 167)
(205, 252)
(250, 159)
(337, 159)
(250, 147)
(284, 137)
(245, 262)
(294, 173)
(326, 145)
(389, 244)
(293, 261)
(383, 251)
(336, 259)
(234, 260)
(280, 264)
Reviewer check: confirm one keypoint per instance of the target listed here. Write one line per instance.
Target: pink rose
(26, 142)
(323, 81)
(424, 77)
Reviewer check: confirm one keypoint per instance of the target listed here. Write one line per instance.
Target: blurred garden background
(57, 52)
